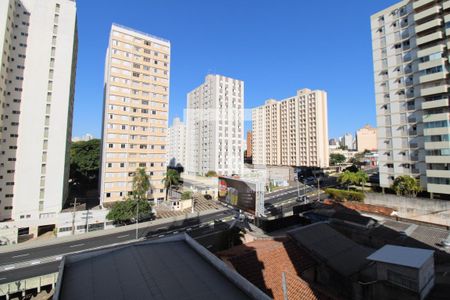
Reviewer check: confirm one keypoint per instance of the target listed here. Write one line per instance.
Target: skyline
(297, 57)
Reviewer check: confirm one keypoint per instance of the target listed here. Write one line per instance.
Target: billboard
(242, 194)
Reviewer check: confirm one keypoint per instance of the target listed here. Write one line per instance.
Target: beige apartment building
(410, 55)
(366, 139)
(293, 131)
(136, 109)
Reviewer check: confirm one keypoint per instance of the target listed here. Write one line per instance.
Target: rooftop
(332, 248)
(404, 256)
(141, 33)
(262, 262)
(176, 267)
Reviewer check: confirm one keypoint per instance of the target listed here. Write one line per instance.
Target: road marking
(3, 278)
(21, 255)
(160, 236)
(188, 229)
(77, 245)
(122, 236)
(9, 268)
(175, 232)
(35, 262)
(58, 258)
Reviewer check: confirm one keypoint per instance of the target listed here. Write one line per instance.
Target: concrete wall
(421, 209)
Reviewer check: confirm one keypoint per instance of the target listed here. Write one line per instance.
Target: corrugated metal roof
(404, 256)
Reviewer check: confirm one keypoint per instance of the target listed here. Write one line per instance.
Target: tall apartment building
(249, 144)
(348, 141)
(38, 51)
(410, 54)
(366, 139)
(176, 144)
(136, 106)
(215, 127)
(293, 131)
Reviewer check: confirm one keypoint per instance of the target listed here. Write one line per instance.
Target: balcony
(420, 3)
(427, 13)
(429, 38)
(428, 25)
(432, 77)
(435, 104)
(446, 5)
(436, 117)
(431, 63)
(438, 173)
(437, 159)
(440, 89)
(437, 145)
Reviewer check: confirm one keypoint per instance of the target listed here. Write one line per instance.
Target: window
(108, 195)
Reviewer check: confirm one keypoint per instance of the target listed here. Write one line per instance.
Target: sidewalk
(92, 234)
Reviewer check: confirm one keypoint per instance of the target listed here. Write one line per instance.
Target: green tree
(125, 212)
(141, 184)
(347, 178)
(172, 178)
(361, 178)
(211, 174)
(336, 159)
(186, 195)
(84, 167)
(406, 186)
(135, 206)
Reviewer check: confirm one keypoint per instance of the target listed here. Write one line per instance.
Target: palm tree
(361, 178)
(347, 178)
(406, 185)
(172, 178)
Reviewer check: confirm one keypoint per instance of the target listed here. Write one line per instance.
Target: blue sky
(276, 47)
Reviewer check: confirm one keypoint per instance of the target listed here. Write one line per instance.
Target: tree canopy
(406, 186)
(85, 157)
(141, 184)
(211, 174)
(124, 212)
(172, 178)
(347, 178)
(336, 159)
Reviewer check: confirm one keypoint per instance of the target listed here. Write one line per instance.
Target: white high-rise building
(38, 52)
(348, 141)
(410, 55)
(176, 144)
(215, 127)
(136, 108)
(292, 132)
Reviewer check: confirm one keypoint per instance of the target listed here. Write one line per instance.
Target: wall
(421, 209)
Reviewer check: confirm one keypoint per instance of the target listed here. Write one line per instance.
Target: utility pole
(73, 215)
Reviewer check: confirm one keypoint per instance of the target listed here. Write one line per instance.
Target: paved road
(286, 194)
(35, 255)
(51, 267)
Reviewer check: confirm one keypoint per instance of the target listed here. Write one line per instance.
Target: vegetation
(124, 212)
(406, 186)
(211, 174)
(135, 207)
(340, 195)
(186, 195)
(172, 178)
(356, 178)
(141, 184)
(84, 166)
(336, 159)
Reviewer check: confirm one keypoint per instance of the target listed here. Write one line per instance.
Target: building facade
(249, 152)
(215, 127)
(38, 53)
(176, 144)
(366, 139)
(348, 141)
(293, 131)
(136, 106)
(410, 44)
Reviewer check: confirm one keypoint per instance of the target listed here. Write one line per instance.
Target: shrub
(211, 174)
(186, 195)
(340, 195)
